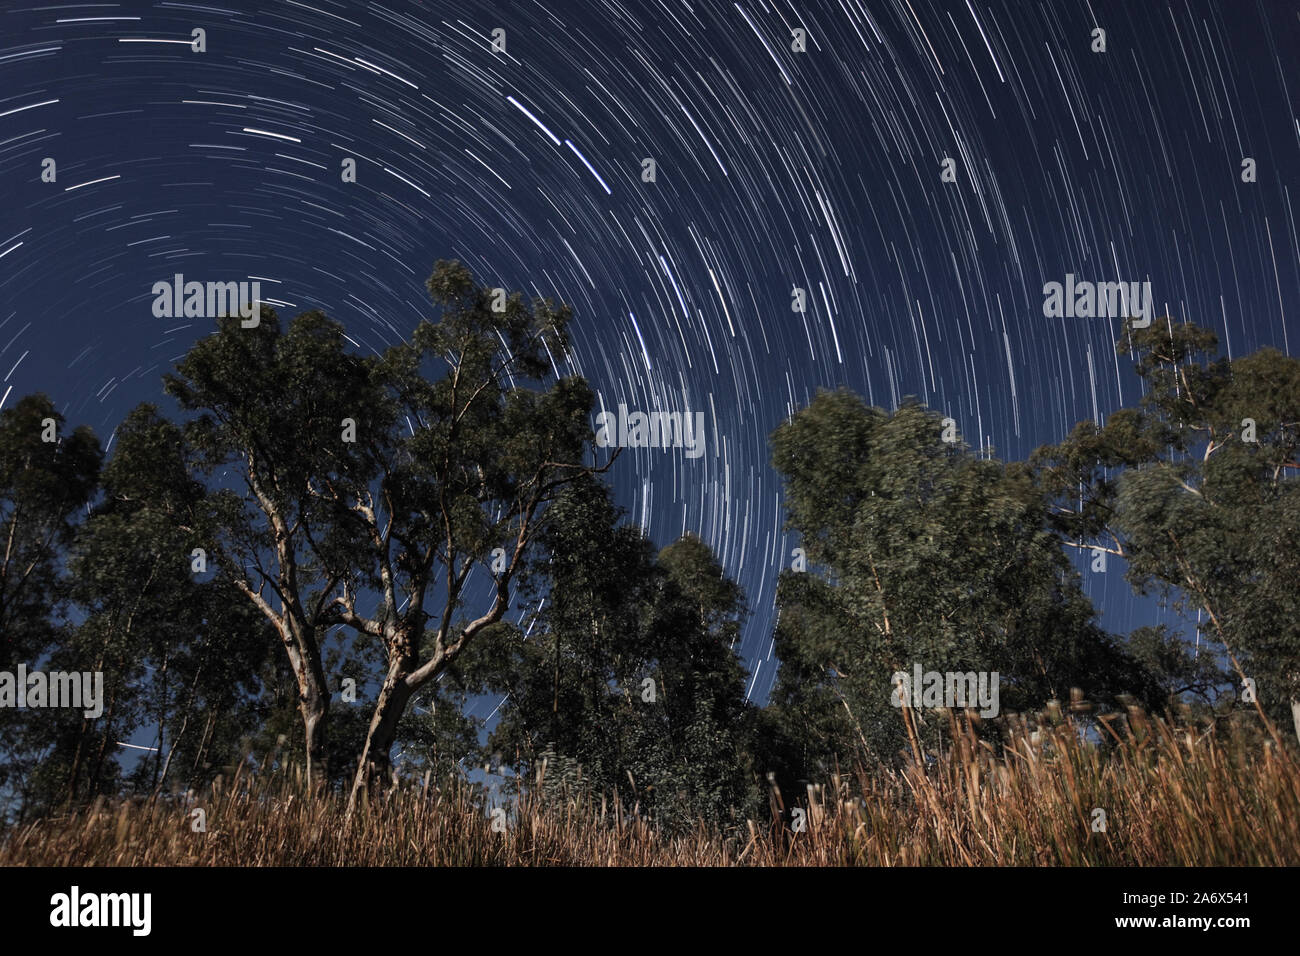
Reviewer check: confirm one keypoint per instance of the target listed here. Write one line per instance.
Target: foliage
(1195, 489)
(628, 681)
(919, 553)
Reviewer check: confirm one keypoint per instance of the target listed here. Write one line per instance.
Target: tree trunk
(189, 707)
(203, 742)
(373, 767)
(162, 719)
(75, 774)
(313, 696)
(314, 707)
(103, 745)
(1295, 716)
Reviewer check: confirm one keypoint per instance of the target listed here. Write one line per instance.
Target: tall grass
(1172, 794)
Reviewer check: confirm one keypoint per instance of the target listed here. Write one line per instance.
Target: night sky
(775, 169)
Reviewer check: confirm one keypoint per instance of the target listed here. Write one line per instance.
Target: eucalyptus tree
(916, 551)
(1195, 489)
(48, 476)
(628, 677)
(268, 409)
(176, 650)
(365, 491)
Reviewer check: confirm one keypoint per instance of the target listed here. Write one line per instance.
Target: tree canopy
(324, 556)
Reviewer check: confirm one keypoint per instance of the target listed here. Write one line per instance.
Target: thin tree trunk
(203, 742)
(185, 721)
(555, 700)
(313, 697)
(162, 719)
(75, 773)
(103, 745)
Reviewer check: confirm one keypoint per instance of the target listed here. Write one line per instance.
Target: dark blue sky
(775, 169)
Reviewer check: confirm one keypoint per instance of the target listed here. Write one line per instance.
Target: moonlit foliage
(774, 170)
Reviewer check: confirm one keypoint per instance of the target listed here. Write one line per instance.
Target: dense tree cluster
(319, 557)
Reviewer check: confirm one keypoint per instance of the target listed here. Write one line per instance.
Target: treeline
(321, 557)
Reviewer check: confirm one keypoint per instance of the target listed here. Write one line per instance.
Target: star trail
(794, 148)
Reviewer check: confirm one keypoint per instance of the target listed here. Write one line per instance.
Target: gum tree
(178, 646)
(917, 552)
(365, 491)
(47, 476)
(628, 675)
(487, 435)
(268, 417)
(1195, 488)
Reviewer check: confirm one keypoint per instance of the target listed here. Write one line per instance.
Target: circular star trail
(783, 163)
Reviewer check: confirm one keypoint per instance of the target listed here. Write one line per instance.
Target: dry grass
(1172, 794)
